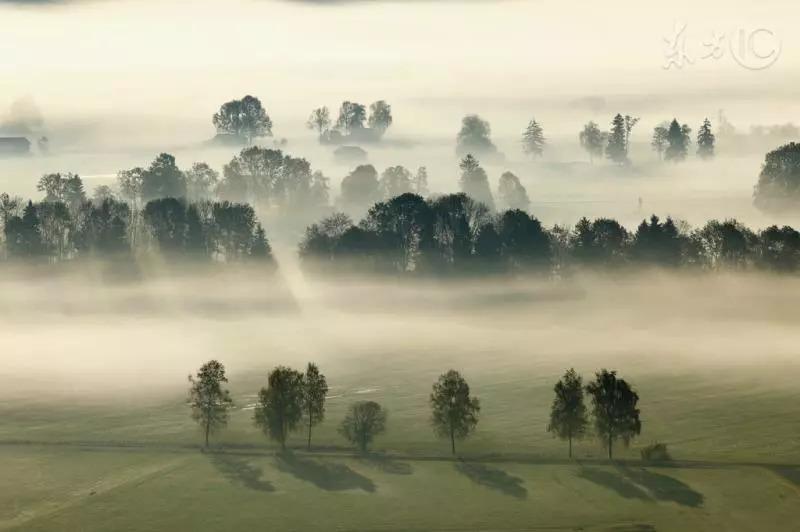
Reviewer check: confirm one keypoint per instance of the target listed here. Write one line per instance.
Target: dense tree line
(456, 234)
(292, 400)
(66, 225)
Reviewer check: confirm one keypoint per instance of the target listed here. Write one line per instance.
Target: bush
(656, 452)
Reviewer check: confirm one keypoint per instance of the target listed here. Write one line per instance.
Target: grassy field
(722, 393)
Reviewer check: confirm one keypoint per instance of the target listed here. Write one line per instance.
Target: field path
(80, 495)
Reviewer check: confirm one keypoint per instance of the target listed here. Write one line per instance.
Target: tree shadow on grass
(387, 464)
(664, 488)
(327, 476)
(493, 478)
(788, 473)
(239, 471)
(614, 481)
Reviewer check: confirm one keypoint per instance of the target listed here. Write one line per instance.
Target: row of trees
(352, 124)
(293, 400)
(266, 178)
(670, 140)
(66, 225)
(457, 234)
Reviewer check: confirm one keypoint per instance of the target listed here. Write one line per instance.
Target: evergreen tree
(617, 147)
(705, 141)
(678, 140)
(533, 141)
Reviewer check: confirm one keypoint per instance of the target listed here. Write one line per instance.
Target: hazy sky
(146, 56)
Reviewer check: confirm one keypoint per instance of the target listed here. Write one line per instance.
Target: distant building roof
(14, 145)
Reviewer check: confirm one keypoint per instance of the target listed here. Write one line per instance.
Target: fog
(116, 83)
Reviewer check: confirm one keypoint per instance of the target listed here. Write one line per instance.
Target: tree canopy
(454, 410)
(245, 118)
(615, 409)
(209, 401)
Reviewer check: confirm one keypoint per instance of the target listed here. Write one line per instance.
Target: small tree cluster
(614, 408)
(451, 233)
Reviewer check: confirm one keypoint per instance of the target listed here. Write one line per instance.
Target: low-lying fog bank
(82, 339)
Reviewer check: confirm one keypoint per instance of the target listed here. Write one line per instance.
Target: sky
(180, 57)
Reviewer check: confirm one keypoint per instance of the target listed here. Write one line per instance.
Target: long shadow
(387, 464)
(239, 471)
(664, 488)
(788, 473)
(327, 476)
(493, 478)
(614, 481)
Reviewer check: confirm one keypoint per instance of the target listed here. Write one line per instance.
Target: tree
(526, 245)
(660, 139)
(592, 140)
(455, 413)
(130, 185)
(533, 141)
(364, 421)
(208, 400)
(678, 142)
(779, 248)
(23, 234)
(163, 179)
(245, 118)
(102, 193)
(657, 243)
(614, 406)
(280, 405)
(474, 181)
(630, 123)
(474, 137)
(421, 181)
(380, 116)
(361, 187)
(568, 413)
(66, 188)
(395, 180)
(201, 182)
(705, 141)
(511, 193)
(315, 387)
(320, 120)
(778, 186)
(601, 242)
(727, 243)
(617, 147)
(351, 117)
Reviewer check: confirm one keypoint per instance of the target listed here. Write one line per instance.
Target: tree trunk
(208, 429)
(309, 433)
(610, 447)
(453, 441)
(570, 446)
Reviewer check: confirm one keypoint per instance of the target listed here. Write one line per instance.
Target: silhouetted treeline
(454, 234)
(53, 230)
